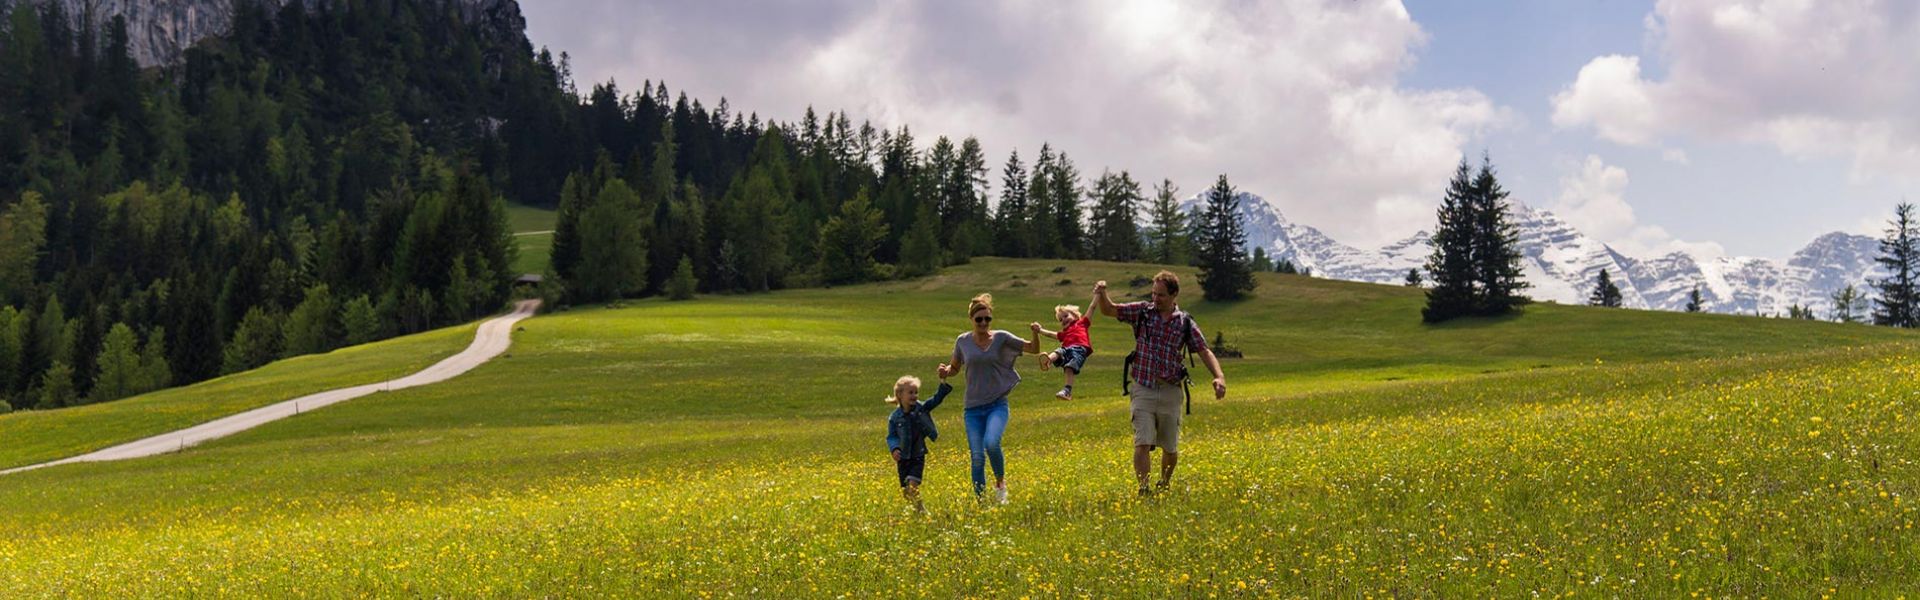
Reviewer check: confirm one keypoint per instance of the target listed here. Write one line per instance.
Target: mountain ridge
(1562, 263)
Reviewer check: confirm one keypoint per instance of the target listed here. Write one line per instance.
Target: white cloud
(1298, 101)
(1834, 78)
(1593, 200)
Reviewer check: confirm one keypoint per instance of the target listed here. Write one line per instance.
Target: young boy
(1075, 345)
(908, 429)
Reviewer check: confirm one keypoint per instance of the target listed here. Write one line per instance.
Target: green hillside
(733, 446)
(533, 235)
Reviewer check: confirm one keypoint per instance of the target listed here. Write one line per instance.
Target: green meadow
(733, 446)
(533, 235)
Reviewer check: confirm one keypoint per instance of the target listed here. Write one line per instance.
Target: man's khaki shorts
(1156, 416)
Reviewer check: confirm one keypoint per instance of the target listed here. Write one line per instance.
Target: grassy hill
(733, 446)
(533, 230)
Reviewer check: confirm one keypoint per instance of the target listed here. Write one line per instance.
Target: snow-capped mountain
(1561, 264)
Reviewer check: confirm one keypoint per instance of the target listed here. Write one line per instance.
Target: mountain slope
(1561, 264)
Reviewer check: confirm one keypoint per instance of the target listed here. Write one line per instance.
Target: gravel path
(492, 339)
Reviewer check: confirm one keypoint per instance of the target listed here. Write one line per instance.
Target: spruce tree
(1694, 301)
(1451, 266)
(155, 371)
(1260, 264)
(1900, 260)
(683, 284)
(613, 247)
(1846, 304)
(920, 250)
(1167, 230)
(1115, 230)
(360, 322)
(848, 240)
(1413, 278)
(118, 366)
(1010, 217)
(1225, 272)
(1604, 292)
(1496, 246)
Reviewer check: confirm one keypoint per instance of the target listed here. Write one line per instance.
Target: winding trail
(490, 341)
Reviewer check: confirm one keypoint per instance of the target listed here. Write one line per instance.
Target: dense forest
(330, 173)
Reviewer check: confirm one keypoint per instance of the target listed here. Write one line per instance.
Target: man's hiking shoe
(1163, 486)
(1146, 493)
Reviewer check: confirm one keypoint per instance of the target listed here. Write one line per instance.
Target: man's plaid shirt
(1157, 338)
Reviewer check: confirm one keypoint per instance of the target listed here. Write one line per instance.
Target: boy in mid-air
(1075, 345)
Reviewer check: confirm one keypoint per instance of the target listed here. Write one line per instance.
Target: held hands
(945, 371)
(1219, 388)
(1036, 327)
(1100, 288)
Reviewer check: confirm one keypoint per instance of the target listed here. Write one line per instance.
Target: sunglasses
(983, 320)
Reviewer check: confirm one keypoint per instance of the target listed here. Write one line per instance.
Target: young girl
(908, 429)
(1075, 345)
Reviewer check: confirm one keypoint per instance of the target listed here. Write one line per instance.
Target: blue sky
(1744, 127)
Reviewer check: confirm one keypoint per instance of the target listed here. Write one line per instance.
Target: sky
(1718, 127)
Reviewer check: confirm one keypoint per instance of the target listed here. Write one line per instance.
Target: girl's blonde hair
(980, 302)
(901, 384)
(1070, 311)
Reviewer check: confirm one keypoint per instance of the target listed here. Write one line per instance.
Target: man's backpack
(1186, 341)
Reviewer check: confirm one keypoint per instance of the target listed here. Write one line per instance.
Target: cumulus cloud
(1593, 199)
(1298, 101)
(1812, 79)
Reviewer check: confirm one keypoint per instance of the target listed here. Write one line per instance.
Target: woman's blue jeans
(985, 425)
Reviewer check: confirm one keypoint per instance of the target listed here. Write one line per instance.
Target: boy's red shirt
(1076, 334)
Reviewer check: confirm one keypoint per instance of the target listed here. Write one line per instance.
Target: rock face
(158, 31)
(1561, 264)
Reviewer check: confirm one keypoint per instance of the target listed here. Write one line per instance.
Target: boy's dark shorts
(910, 469)
(1072, 358)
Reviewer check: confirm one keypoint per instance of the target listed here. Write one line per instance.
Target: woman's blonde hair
(982, 301)
(1071, 311)
(901, 384)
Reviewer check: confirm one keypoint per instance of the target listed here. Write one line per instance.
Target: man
(1162, 334)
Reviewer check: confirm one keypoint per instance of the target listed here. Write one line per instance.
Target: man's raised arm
(1101, 302)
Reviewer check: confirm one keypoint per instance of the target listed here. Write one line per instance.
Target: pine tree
(312, 327)
(683, 284)
(920, 249)
(1168, 243)
(1900, 259)
(118, 366)
(1694, 301)
(1413, 278)
(1451, 266)
(257, 341)
(1064, 190)
(1604, 292)
(1286, 267)
(848, 240)
(1224, 268)
(155, 371)
(1010, 217)
(360, 322)
(1261, 264)
(23, 236)
(1115, 232)
(1496, 246)
(56, 387)
(1846, 304)
(613, 247)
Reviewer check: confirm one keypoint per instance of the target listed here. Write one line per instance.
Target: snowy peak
(1561, 263)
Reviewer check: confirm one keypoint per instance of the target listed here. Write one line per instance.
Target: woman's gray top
(990, 374)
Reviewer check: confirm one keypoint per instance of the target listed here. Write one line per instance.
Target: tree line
(333, 173)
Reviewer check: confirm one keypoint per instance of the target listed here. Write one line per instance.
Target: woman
(988, 355)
